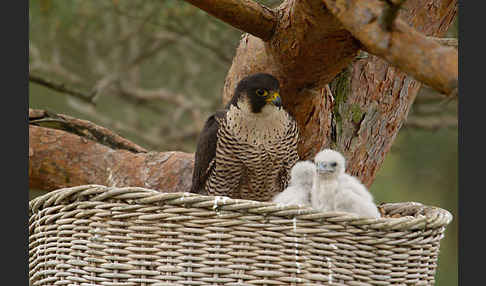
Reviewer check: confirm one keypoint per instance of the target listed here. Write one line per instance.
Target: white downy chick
(334, 190)
(298, 192)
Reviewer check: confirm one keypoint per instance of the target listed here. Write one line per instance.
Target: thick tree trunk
(308, 49)
(373, 98)
(355, 105)
(364, 122)
(369, 100)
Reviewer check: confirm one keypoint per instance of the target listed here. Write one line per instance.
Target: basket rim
(425, 217)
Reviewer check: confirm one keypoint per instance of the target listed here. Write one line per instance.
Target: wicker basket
(97, 235)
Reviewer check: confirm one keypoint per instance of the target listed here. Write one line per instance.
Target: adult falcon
(246, 151)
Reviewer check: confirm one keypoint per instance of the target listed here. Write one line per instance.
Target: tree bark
(59, 159)
(354, 105)
(246, 15)
(370, 99)
(307, 50)
(373, 97)
(373, 23)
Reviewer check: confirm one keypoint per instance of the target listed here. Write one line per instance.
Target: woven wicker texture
(97, 235)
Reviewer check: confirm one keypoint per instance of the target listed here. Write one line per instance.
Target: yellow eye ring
(261, 92)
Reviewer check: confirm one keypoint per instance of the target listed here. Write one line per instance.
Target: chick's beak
(324, 168)
(275, 99)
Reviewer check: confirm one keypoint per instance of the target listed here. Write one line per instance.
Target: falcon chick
(246, 150)
(298, 192)
(334, 190)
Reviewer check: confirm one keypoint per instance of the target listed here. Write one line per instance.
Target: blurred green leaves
(105, 46)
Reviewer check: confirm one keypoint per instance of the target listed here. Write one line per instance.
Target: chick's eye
(261, 92)
(333, 164)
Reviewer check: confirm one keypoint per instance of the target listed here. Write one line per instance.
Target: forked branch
(401, 45)
(373, 23)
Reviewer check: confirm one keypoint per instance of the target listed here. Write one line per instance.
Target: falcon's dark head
(259, 90)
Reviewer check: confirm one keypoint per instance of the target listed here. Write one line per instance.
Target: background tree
(153, 70)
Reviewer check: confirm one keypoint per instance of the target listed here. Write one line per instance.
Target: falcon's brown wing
(205, 152)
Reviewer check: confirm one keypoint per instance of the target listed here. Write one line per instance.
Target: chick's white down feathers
(334, 190)
(325, 186)
(298, 192)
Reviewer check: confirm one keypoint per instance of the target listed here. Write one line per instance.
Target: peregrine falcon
(246, 150)
(334, 190)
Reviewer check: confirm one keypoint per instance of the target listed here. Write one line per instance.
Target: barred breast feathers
(264, 128)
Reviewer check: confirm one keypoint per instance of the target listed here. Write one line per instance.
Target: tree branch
(245, 15)
(195, 39)
(60, 87)
(149, 137)
(51, 67)
(423, 58)
(60, 158)
(184, 102)
(178, 31)
(82, 128)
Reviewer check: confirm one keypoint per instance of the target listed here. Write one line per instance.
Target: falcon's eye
(261, 92)
(333, 164)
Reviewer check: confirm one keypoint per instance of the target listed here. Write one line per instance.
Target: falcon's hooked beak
(275, 99)
(325, 168)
